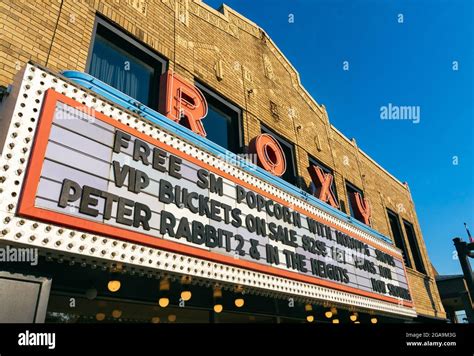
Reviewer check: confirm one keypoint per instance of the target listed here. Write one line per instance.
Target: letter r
(182, 102)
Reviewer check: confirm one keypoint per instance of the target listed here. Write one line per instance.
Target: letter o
(269, 153)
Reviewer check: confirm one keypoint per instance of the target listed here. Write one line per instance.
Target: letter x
(323, 183)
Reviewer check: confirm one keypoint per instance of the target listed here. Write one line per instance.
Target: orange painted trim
(27, 206)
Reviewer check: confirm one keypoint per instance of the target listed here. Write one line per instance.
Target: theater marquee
(90, 172)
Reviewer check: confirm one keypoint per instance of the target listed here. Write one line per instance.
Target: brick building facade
(235, 58)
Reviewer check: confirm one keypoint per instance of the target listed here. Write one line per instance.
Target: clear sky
(407, 60)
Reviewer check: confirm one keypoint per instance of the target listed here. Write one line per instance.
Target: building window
(288, 149)
(398, 236)
(223, 121)
(125, 64)
(414, 247)
(351, 191)
(314, 162)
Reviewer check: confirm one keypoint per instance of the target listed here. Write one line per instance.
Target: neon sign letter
(269, 154)
(182, 102)
(323, 184)
(362, 208)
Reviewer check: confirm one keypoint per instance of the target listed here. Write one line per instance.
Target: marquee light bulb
(335, 321)
(116, 313)
(239, 302)
(114, 285)
(164, 302)
(328, 314)
(373, 320)
(186, 295)
(164, 284)
(155, 320)
(218, 308)
(217, 293)
(353, 317)
(100, 316)
(310, 318)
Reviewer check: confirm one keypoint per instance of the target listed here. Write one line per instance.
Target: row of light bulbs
(333, 312)
(116, 313)
(114, 285)
(218, 307)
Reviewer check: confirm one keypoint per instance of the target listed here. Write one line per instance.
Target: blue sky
(405, 64)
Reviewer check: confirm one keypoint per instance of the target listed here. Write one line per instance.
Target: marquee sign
(91, 172)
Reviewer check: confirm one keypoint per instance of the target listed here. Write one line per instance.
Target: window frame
(267, 130)
(229, 105)
(356, 189)
(133, 42)
(404, 248)
(313, 161)
(414, 248)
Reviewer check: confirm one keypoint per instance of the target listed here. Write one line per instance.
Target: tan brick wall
(196, 40)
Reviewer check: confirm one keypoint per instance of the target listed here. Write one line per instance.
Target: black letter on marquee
(240, 193)
(272, 254)
(123, 210)
(166, 192)
(109, 200)
(121, 139)
(139, 154)
(141, 181)
(120, 173)
(159, 158)
(198, 234)
(216, 185)
(66, 195)
(138, 218)
(202, 179)
(175, 166)
(167, 223)
(183, 229)
(87, 199)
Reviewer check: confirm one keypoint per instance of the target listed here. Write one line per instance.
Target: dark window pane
(121, 70)
(397, 235)
(414, 247)
(218, 125)
(125, 64)
(222, 122)
(351, 190)
(290, 174)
